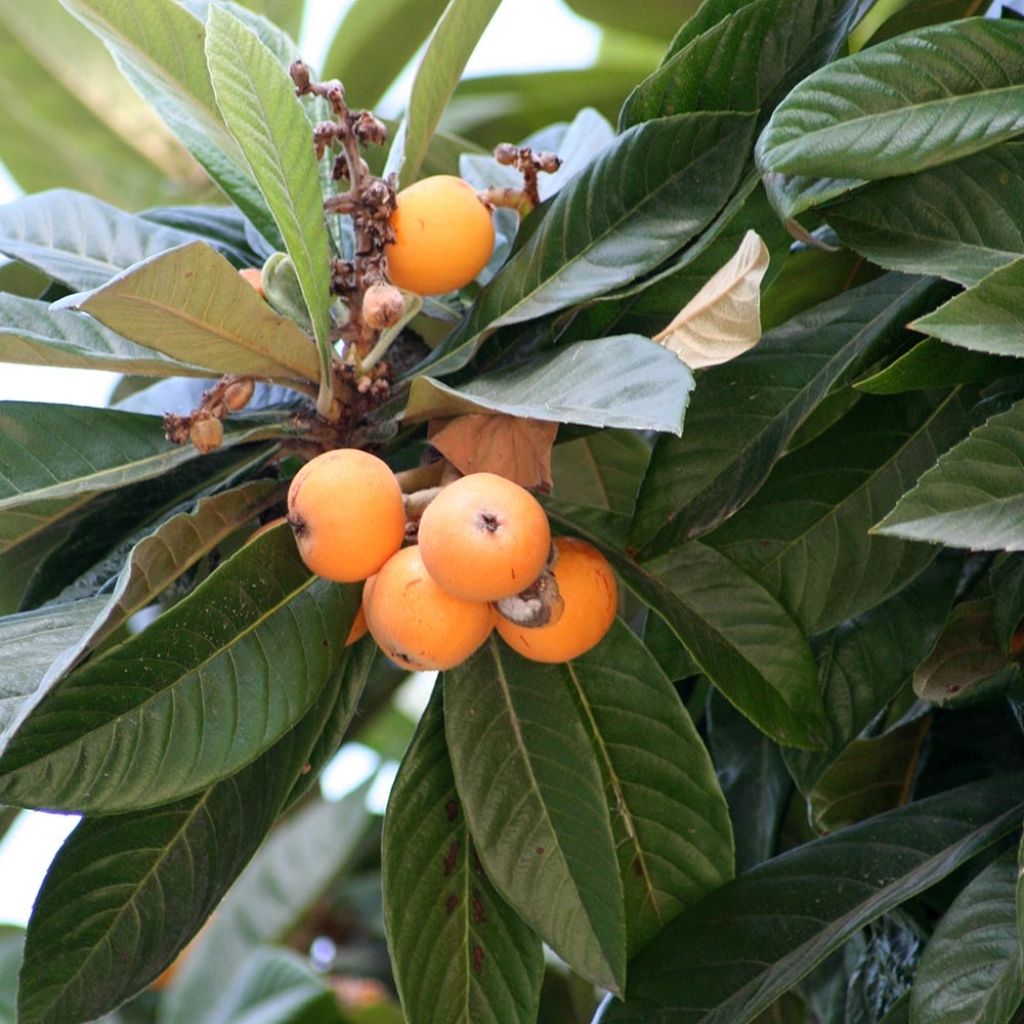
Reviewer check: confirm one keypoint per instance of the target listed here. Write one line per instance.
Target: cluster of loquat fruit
(484, 560)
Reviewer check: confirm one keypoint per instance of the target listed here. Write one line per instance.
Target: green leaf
(257, 99)
(532, 793)
(126, 892)
(293, 868)
(50, 451)
(869, 777)
(739, 636)
(29, 642)
(34, 334)
(192, 305)
(451, 44)
(159, 49)
(78, 240)
(669, 819)
(984, 318)
(805, 534)
(966, 659)
(731, 956)
(971, 968)
(754, 781)
(458, 950)
(746, 61)
(392, 30)
(974, 496)
(274, 986)
(1007, 582)
(159, 559)
(932, 364)
(906, 104)
(12, 944)
(169, 690)
(603, 469)
(111, 143)
(865, 662)
(626, 381)
(652, 191)
(982, 203)
(744, 413)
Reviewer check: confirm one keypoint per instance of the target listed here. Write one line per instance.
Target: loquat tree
(628, 461)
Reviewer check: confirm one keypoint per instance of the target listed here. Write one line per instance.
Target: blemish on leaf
(479, 914)
(452, 809)
(451, 857)
(477, 866)
(478, 959)
(451, 903)
(539, 851)
(638, 868)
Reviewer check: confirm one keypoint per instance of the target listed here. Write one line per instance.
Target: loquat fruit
(418, 624)
(586, 584)
(444, 236)
(345, 508)
(359, 627)
(484, 537)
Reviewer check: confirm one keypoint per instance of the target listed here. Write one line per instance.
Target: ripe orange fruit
(444, 236)
(415, 622)
(359, 627)
(345, 508)
(587, 585)
(484, 538)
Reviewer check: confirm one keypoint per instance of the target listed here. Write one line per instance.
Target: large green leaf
(744, 412)
(971, 968)
(162, 557)
(981, 198)
(459, 951)
(932, 364)
(909, 103)
(29, 642)
(112, 145)
(274, 986)
(192, 305)
(863, 663)
(626, 381)
(392, 30)
(257, 99)
(159, 48)
(746, 61)
(754, 781)
(33, 333)
(985, 318)
(669, 819)
(968, 662)
(64, 451)
(739, 636)
(727, 959)
(291, 871)
(652, 191)
(450, 47)
(974, 496)
(805, 534)
(160, 732)
(872, 775)
(127, 892)
(603, 469)
(79, 240)
(532, 793)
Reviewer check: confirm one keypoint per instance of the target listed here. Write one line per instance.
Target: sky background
(511, 43)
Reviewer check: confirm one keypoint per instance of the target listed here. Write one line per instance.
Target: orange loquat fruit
(345, 509)
(444, 236)
(418, 624)
(586, 584)
(484, 537)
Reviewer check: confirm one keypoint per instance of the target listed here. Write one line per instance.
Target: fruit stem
(420, 477)
(417, 502)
